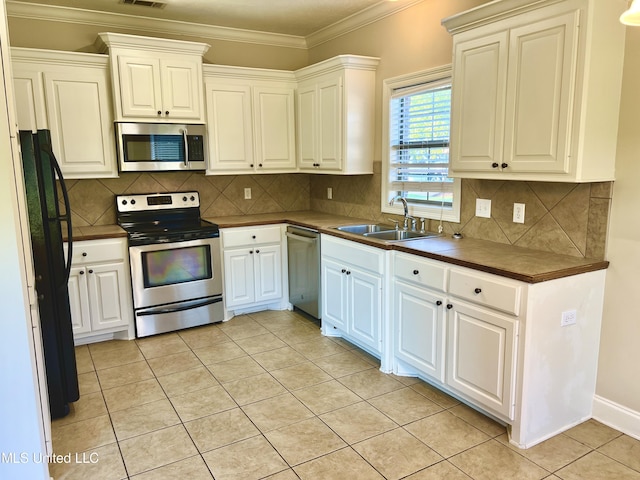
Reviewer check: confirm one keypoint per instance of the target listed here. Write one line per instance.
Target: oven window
(153, 148)
(176, 265)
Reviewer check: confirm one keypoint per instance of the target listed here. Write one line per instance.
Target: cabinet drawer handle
(439, 302)
(495, 165)
(449, 306)
(477, 291)
(416, 272)
(504, 165)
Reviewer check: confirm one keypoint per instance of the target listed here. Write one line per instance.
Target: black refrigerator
(46, 225)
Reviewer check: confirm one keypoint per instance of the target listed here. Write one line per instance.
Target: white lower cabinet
(352, 277)
(253, 266)
(100, 290)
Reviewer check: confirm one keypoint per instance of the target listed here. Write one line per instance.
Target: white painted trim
(358, 20)
(36, 11)
(149, 25)
(616, 416)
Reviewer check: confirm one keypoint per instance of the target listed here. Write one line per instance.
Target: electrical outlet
(483, 208)
(329, 193)
(247, 194)
(518, 213)
(568, 318)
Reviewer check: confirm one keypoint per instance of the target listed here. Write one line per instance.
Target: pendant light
(632, 16)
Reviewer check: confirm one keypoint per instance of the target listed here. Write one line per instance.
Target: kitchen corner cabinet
(100, 291)
(251, 120)
(528, 83)
(497, 343)
(335, 103)
(155, 79)
(252, 266)
(69, 94)
(352, 285)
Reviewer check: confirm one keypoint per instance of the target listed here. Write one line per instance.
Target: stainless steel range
(176, 270)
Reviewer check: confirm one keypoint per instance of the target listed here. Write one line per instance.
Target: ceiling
(287, 17)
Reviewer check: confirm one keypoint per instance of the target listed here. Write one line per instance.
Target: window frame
(390, 85)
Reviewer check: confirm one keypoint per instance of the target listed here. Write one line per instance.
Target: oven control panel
(157, 201)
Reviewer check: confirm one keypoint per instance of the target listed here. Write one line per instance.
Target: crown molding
(358, 20)
(33, 11)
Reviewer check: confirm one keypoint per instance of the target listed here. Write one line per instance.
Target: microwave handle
(186, 148)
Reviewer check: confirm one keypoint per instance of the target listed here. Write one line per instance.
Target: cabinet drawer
(353, 253)
(94, 251)
(486, 290)
(237, 237)
(420, 271)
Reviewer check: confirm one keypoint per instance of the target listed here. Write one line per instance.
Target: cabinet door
(238, 279)
(29, 95)
(478, 102)
(140, 87)
(542, 65)
(307, 123)
(107, 293)
(419, 329)
(79, 300)
(330, 124)
(181, 80)
(79, 114)
(334, 294)
(365, 307)
(230, 128)
(481, 359)
(274, 126)
(268, 273)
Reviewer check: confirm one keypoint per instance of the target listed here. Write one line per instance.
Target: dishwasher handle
(301, 238)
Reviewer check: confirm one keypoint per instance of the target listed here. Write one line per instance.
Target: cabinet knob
(251, 165)
(84, 254)
(504, 165)
(439, 302)
(253, 236)
(495, 165)
(416, 272)
(81, 272)
(257, 251)
(90, 271)
(477, 290)
(449, 306)
(259, 165)
(251, 252)
(166, 113)
(159, 112)
(344, 270)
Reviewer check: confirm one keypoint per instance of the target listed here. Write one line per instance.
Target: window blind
(419, 142)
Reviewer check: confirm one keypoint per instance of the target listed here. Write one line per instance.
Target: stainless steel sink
(395, 235)
(366, 229)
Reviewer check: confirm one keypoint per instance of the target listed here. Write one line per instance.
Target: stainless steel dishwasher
(303, 249)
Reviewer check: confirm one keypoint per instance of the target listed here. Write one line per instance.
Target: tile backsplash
(565, 218)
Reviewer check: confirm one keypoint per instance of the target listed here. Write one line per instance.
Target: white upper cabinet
(250, 120)
(527, 90)
(335, 115)
(69, 94)
(155, 79)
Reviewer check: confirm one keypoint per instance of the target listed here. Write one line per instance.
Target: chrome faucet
(407, 217)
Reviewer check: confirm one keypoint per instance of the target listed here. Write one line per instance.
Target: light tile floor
(266, 396)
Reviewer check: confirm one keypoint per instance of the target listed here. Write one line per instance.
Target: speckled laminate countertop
(531, 266)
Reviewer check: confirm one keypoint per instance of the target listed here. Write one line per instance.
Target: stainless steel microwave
(154, 147)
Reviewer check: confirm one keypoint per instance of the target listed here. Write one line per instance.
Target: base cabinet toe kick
(497, 344)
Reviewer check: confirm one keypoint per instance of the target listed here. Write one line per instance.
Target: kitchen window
(417, 113)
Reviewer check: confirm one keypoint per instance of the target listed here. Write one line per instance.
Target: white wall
(618, 388)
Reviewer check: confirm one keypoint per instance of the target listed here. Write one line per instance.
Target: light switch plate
(483, 208)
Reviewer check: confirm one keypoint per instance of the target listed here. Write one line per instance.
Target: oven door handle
(183, 306)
